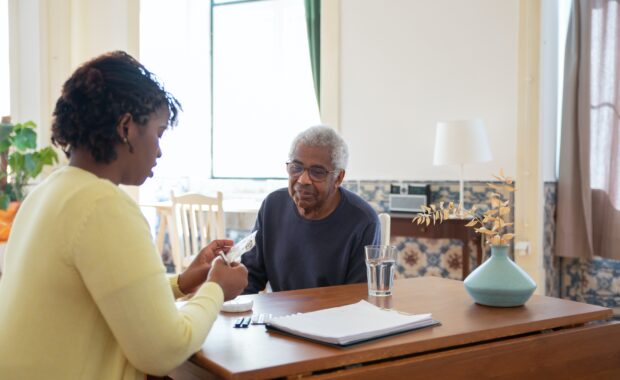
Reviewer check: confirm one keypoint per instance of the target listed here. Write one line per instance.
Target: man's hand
(196, 274)
(233, 279)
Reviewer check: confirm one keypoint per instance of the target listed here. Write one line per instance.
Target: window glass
(564, 8)
(174, 37)
(263, 93)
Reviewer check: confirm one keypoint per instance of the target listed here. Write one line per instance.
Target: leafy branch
(21, 161)
(493, 223)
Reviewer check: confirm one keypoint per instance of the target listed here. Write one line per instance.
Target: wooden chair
(196, 220)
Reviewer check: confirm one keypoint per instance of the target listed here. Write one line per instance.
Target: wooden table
(401, 225)
(548, 338)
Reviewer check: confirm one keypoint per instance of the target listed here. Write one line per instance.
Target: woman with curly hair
(84, 294)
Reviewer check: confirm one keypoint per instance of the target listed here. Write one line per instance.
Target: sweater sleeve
(254, 262)
(357, 261)
(174, 285)
(120, 267)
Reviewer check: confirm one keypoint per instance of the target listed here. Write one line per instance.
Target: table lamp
(461, 142)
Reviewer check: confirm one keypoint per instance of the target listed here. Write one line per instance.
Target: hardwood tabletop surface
(255, 352)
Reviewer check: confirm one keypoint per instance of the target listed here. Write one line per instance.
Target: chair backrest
(197, 219)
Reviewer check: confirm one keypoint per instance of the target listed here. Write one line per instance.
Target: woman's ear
(122, 128)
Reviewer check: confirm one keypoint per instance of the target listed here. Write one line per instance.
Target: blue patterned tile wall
(377, 192)
(428, 257)
(550, 262)
(595, 281)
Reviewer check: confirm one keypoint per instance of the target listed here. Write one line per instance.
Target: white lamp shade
(461, 142)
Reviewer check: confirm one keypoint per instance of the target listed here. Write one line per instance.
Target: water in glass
(380, 276)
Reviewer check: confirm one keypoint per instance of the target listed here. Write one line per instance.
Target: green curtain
(313, 23)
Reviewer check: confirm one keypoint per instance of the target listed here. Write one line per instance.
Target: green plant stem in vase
(498, 281)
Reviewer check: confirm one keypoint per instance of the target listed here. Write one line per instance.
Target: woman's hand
(233, 278)
(196, 274)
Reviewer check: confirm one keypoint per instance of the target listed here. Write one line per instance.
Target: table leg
(465, 258)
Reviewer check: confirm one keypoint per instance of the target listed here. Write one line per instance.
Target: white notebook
(349, 324)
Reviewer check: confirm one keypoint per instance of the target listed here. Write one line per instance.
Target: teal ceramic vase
(499, 281)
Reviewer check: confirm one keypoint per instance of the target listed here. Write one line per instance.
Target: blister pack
(244, 245)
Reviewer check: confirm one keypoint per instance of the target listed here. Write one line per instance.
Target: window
(5, 93)
(244, 97)
(174, 37)
(562, 24)
(263, 93)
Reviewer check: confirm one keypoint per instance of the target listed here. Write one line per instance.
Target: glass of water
(380, 263)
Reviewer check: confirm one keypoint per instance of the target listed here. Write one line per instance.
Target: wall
(550, 77)
(49, 40)
(407, 64)
(402, 67)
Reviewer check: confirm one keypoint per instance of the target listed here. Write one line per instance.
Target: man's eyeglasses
(316, 173)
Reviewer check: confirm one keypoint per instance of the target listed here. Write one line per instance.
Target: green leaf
(29, 124)
(31, 167)
(10, 192)
(6, 137)
(48, 156)
(25, 139)
(4, 146)
(25, 162)
(16, 162)
(4, 201)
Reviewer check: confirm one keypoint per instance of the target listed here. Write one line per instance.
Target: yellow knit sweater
(84, 294)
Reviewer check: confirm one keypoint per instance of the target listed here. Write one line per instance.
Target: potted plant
(20, 162)
(498, 281)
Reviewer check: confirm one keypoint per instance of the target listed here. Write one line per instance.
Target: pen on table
(242, 322)
(246, 322)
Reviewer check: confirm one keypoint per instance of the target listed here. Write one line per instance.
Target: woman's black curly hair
(95, 98)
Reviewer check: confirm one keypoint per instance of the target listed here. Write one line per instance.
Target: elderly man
(314, 233)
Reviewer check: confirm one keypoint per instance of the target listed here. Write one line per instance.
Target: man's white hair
(324, 136)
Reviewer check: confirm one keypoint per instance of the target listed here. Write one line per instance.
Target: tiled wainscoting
(427, 257)
(595, 281)
(551, 263)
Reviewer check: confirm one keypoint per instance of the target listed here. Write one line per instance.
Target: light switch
(522, 248)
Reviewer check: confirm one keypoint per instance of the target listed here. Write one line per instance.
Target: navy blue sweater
(295, 253)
